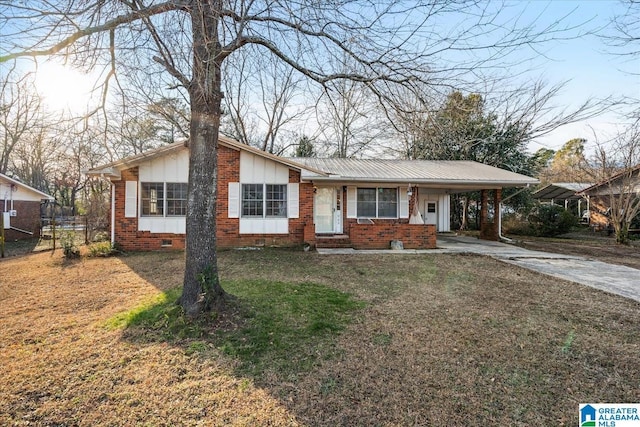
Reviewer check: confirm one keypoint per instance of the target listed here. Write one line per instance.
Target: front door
(431, 212)
(327, 210)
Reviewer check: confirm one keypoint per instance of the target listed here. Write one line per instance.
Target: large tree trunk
(622, 232)
(201, 287)
(465, 207)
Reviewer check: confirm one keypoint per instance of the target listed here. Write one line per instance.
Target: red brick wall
(380, 234)
(489, 226)
(227, 229)
(27, 218)
(126, 229)
(227, 233)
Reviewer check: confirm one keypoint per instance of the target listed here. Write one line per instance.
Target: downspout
(500, 236)
(113, 213)
(11, 186)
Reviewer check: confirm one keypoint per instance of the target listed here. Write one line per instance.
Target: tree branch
(109, 25)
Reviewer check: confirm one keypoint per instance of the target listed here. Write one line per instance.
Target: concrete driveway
(615, 279)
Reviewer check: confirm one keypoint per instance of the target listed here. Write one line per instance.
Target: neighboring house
(265, 199)
(624, 187)
(20, 207)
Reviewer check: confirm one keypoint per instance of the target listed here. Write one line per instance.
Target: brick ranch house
(264, 199)
(612, 193)
(20, 207)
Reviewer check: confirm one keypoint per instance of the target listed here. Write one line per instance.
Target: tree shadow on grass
(20, 247)
(268, 328)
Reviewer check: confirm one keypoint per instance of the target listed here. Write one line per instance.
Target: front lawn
(309, 340)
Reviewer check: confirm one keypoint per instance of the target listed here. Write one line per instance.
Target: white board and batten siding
(173, 168)
(444, 213)
(403, 204)
(442, 199)
(258, 170)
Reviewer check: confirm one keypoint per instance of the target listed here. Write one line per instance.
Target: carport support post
(489, 229)
(497, 200)
(484, 212)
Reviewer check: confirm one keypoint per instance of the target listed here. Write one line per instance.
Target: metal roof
(461, 173)
(561, 191)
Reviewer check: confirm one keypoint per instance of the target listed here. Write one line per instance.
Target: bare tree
(527, 111)
(258, 102)
(132, 131)
(21, 115)
(349, 119)
(165, 103)
(616, 170)
(34, 157)
(77, 152)
(624, 34)
(388, 43)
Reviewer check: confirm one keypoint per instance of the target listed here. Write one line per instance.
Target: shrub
(551, 220)
(68, 243)
(517, 226)
(102, 249)
(101, 236)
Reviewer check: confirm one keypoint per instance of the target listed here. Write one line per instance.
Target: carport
(564, 192)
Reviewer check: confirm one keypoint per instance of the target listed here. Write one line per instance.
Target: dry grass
(442, 340)
(589, 245)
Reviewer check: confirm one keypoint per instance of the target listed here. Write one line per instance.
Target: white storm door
(430, 212)
(324, 203)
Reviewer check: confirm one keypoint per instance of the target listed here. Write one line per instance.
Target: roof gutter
(461, 183)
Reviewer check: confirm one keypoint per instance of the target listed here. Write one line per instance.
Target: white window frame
(164, 200)
(377, 202)
(284, 210)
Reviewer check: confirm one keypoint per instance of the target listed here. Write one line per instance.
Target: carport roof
(561, 191)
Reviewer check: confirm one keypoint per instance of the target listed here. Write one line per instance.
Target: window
(152, 199)
(377, 203)
(367, 202)
(252, 200)
(160, 199)
(276, 200)
(387, 203)
(176, 199)
(264, 200)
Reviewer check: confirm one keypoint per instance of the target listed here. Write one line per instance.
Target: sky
(586, 63)
(590, 68)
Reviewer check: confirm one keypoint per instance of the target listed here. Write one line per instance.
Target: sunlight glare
(64, 89)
